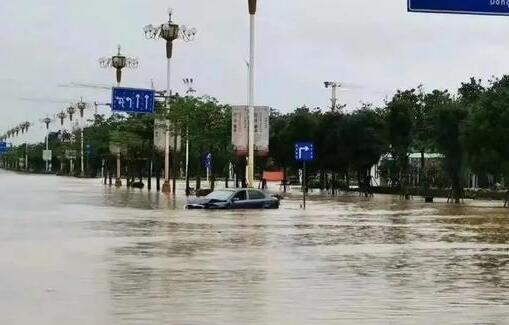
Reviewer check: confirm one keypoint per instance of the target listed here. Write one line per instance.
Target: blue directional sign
(208, 161)
(304, 151)
(472, 7)
(132, 100)
(3, 148)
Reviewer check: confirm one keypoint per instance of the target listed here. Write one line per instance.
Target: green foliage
(470, 130)
(487, 129)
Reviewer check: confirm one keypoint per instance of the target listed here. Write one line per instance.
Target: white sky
(300, 44)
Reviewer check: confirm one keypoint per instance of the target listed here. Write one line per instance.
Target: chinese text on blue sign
(473, 7)
(132, 100)
(304, 151)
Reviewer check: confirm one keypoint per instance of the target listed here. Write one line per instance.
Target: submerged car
(235, 199)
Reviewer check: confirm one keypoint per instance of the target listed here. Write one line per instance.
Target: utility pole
(334, 85)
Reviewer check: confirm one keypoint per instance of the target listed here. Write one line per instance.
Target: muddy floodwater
(76, 252)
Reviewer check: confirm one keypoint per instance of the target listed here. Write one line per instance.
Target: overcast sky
(300, 43)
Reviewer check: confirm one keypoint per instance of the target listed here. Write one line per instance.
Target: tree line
(468, 128)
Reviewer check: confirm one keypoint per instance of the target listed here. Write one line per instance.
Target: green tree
(449, 122)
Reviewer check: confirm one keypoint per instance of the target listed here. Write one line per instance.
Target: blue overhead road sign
(472, 7)
(132, 100)
(304, 151)
(3, 147)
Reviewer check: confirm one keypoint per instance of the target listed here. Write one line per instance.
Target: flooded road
(76, 252)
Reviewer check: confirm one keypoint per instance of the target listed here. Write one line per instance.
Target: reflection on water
(76, 252)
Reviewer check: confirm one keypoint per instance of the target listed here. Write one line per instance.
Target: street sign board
(304, 151)
(472, 7)
(71, 154)
(132, 100)
(47, 155)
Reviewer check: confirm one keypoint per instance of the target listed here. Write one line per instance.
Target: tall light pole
(81, 108)
(334, 85)
(251, 158)
(24, 128)
(118, 62)
(71, 110)
(47, 122)
(61, 116)
(190, 91)
(169, 32)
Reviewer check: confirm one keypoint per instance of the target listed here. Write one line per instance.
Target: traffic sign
(208, 161)
(71, 154)
(304, 151)
(472, 7)
(3, 148)
(47, 155)
(132, 100)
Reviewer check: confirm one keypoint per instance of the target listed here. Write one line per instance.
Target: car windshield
(220, 195)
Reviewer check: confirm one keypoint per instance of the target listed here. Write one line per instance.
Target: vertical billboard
(240, 130)
(160, 136)
(261, 126)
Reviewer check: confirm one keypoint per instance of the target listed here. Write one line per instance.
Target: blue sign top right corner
(304, 151)
(470, 7)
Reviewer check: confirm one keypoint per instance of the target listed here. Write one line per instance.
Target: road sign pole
(118, 180)
(304, 152)
(304, 184)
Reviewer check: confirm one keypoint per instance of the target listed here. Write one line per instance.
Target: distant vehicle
(235, 199)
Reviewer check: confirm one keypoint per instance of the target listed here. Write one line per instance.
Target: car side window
(241, 196)
(256, 195)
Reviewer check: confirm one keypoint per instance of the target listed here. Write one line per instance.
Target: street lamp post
(61, 116)
(169, 32)
(81, 108)
(24, 128)
(71, 110)
(118, 62)
(251, 158)
(47, 122)
(189, 84)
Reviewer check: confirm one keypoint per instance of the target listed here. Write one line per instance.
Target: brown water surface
(76, 252)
